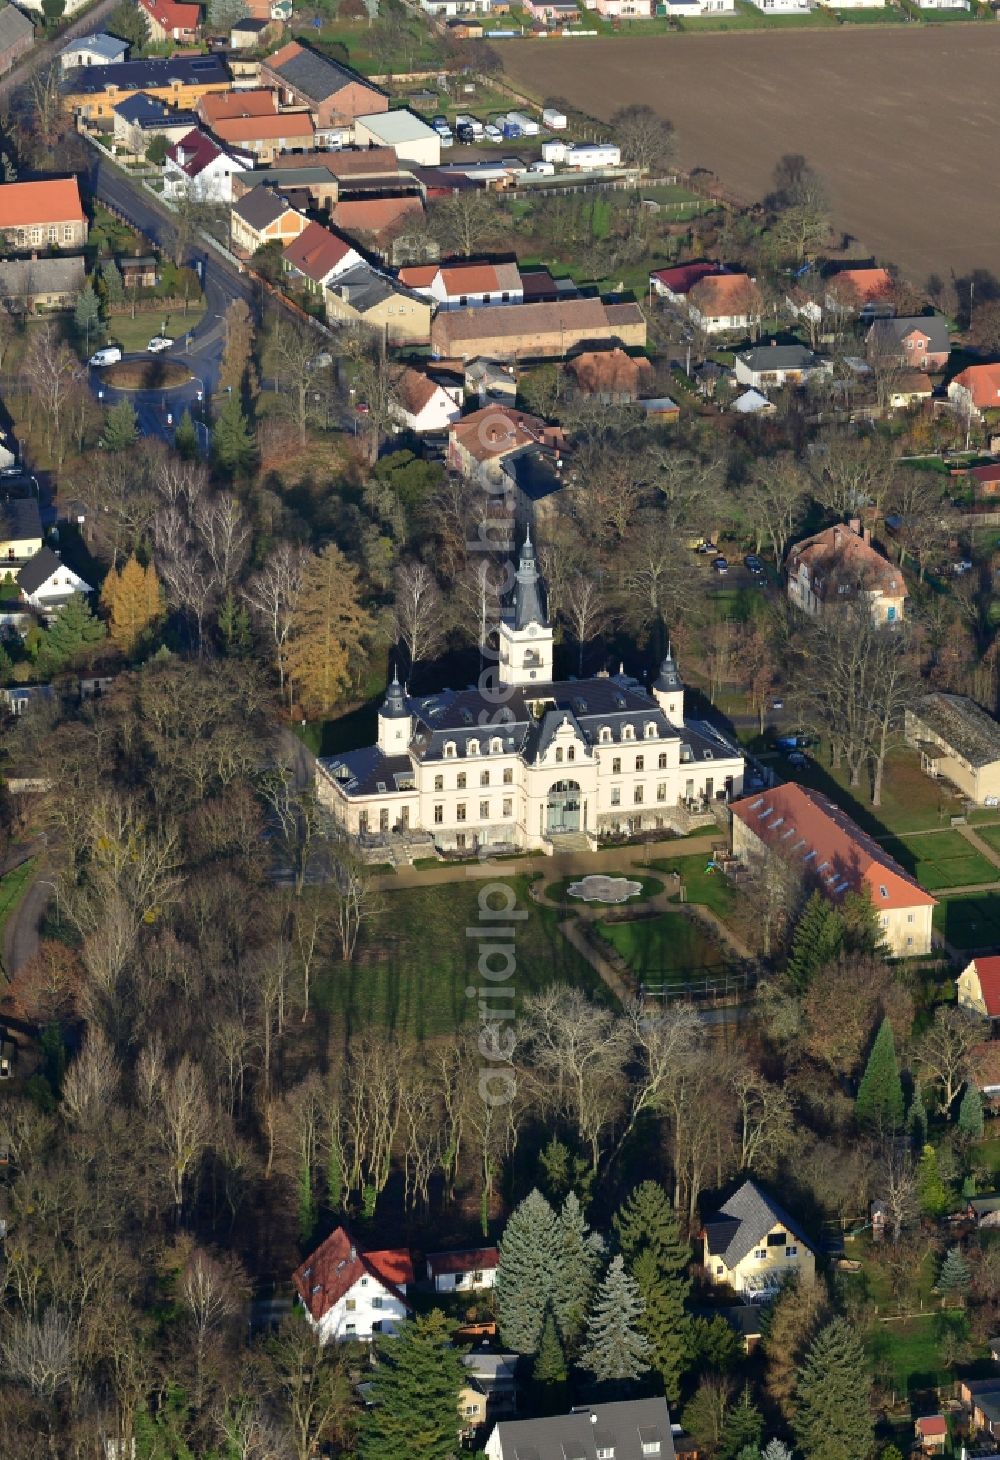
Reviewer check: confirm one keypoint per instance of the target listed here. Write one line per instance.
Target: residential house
(632, 1429)
(45, 214)
(140, 118)
(984, 1210)
(264, 216)
(333, 94)
(624, 9)
(30, 284)
(838, 566)
(535, 331)
(307, 187)
(912, 388)
(444, 8)
(783, 7)
(470, 1271)
(983, 1394)
(943, 4)
(408, 135)
(684, 9)
(490, 380)
(553, 12)
(139, 271)
(171, 20)
(976, 389)
(479, 443)
(316, 257)
(919, 342)
(931, 1433)
(676, 284)
(752, 1245)
(425, 402)
(365, 297)
(247, 35)
(490, 1390)
(46, 583)
(978, 988)
(267, 135)
(465, 29)
(610, 376)
(985, 480)
(772, 366)
(196, 167)
(860, 292)
(17, 36)
(20, 532)
(379, 219)
(466, 283)
(835, 856)
(573, 758)
(984, 1070)
(958, 740)
(376, 169)
(254, 102)
(719, 303)
(93, 92)
(348, 1293)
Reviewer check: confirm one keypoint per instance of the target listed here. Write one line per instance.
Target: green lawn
(702, 885)
(135, 334)
(669, 946)
(942, 859)
(908, 1353)
(911, 801)
(415, 963)
(969, 921)
(990, 835)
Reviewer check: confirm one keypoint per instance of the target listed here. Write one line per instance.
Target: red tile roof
(983, 384)
(815, 835)
(609, 371)
(418, 276)
(217, 105)
(478, 1259)
(338, 1263)
(495, 431)
(679, 280)
(316, 251)
(53, 200)
(839, 555)
(984, 475)
(373, 215)
(173, 15)
(295, 126)
(719, 295)
(933, 1425)
(988, 972)
(867, 284)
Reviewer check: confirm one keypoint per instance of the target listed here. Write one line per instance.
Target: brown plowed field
(902, 121)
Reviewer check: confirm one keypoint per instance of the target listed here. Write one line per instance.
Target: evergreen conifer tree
(657, 1258)
(818, 938)
(72, 632)
(111, 278)
(970, 1112)
(918, 1122)
(880, 1094)
(833, 1418)
(232, 443)
(743, 1429)
(955, 1277)
(87, 315)
(776, 1450)
(616, 1351)
(121, 427)
(932, 1190)
(549, 1374)
(186, 437)
(575, 1278)
(529, 1258)
(415, 1389)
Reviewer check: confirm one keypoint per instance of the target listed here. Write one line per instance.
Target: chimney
(854, 523)
(867, 534)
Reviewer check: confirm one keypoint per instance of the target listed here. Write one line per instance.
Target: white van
(110, 355)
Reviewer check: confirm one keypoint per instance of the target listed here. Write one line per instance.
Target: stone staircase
(569, 841)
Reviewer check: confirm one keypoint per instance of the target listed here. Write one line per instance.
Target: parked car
(363, 408)
(158, 344)
(708, 546)
(777, 704)
(720, 564)
(796, 758)
(110, 355)
(492, 133)
(964, 565)
(441, 124)
(447, 137)
(465, 134)
(754, 564)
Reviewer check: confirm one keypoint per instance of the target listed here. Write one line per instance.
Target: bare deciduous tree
(418, 611)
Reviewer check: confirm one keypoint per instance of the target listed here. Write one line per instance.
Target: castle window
(438, 815)
(616, 766)
(449, 750)
(640, 762)
(637, 796)
(616, 795)
(496, 745)
(661, 790)
(571, 753)
(508, 775)
(460, 811)
(508, 807)
(472, 747)
(628, 732)
(605, 735)
(559, 755)
(461, 780)
(439, 783)
(650, 730)
(662, 763)
(484, 778)
(484, 811)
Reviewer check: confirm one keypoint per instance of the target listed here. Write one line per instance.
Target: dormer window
(472, 747)
(449, 750)
(884, 891)
(559, 755)
(604, 735)
(496, 745)
(628, 732)
(571, 753)
(650, 730)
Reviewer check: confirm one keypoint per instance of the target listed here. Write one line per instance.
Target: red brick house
(17, 35)
(171, 20)
(334, 94)
(920, 342)
(985, 480)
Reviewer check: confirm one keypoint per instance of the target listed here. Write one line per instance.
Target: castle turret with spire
(668, 689)
(525, 631)
(395, 724)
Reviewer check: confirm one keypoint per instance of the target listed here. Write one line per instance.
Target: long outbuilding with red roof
(830, 852)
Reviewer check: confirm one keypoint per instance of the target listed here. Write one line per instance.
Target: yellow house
(20, 531)
(752, 1245)
(958, 742)
(363, 296)
(979, 987)
(180, 81)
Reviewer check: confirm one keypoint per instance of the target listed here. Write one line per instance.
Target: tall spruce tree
(880, 1094)
(549, 1373)
(232, 444)
(970, 1112)
(833, 1415)
(657, 1258)
(73, 633)
(121, 427)
(816, 942)
(575, 1278)
(616, 1351)
(87, 314)
(930, 1188)
(955, 1277)
(529, 1259)
(743, 1429)
(415, 1389)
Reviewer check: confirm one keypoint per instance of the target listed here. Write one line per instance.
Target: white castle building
(527, 761)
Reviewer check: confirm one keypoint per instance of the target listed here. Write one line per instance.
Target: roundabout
(143, 373)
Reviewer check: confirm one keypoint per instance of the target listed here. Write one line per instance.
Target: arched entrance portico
(564, 807)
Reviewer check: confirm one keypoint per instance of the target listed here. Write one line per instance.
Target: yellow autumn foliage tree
(329, 629)
(133, 601)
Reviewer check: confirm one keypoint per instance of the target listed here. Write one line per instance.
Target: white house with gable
(47, 583)
(351, 1294)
